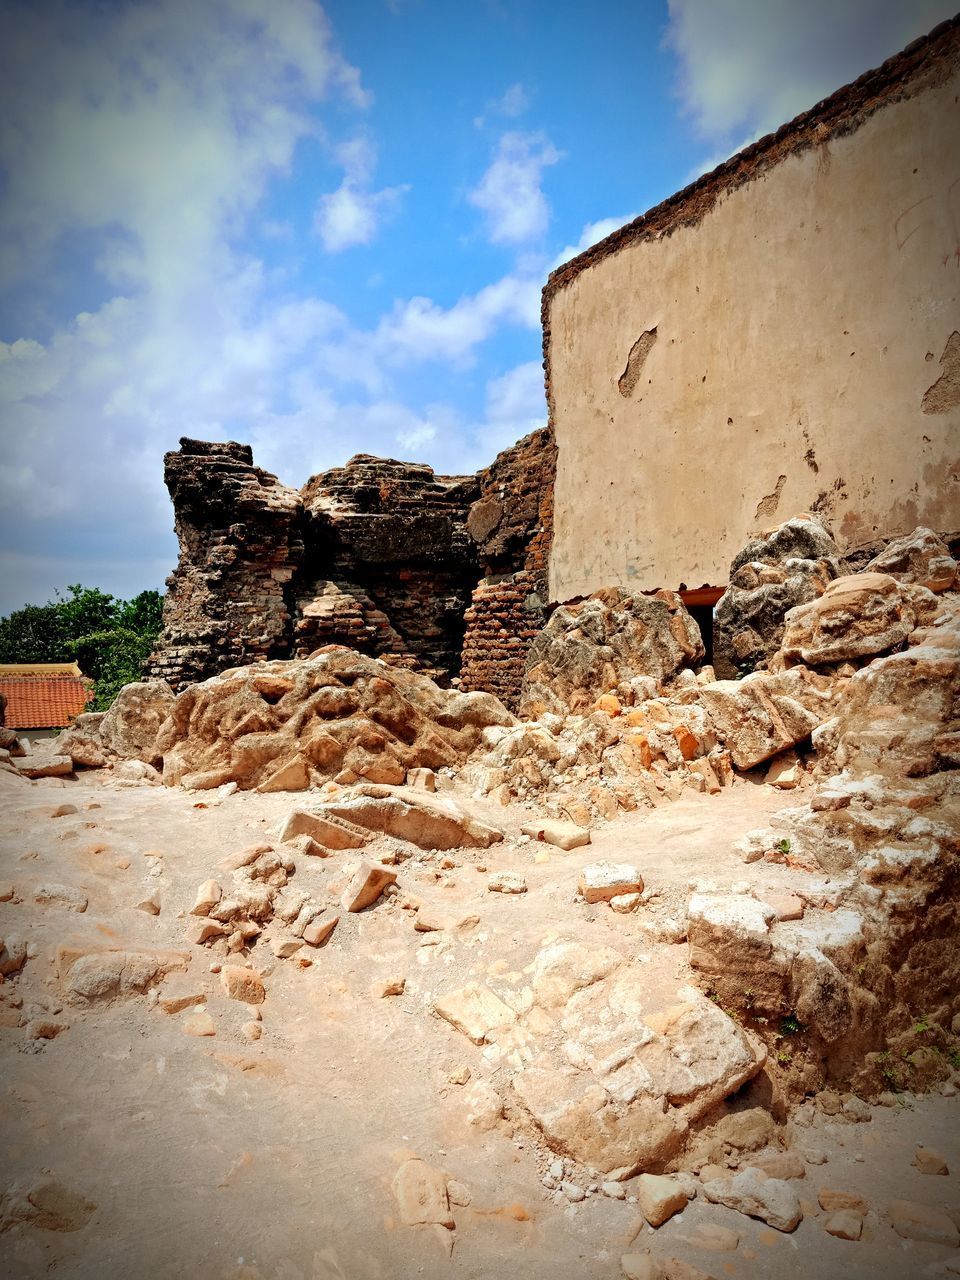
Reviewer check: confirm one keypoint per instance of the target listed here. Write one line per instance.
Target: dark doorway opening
(700, 604)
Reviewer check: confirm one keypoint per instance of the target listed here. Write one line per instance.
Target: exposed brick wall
(512, 524)
(503, 620)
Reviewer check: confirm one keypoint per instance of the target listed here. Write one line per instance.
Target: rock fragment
(421, 1194)
(601, 881)
(367, 885)
(475, 1011)
(921, 1222)
(506, 882)
(659, 1198)
(751, 1192)
(242, 984)
(564, 835)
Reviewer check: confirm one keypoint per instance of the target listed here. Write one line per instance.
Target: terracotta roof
(39, 669)
(43, 702)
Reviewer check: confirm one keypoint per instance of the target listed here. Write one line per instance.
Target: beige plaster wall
(799, 327)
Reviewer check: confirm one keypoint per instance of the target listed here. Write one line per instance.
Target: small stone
(421, 1193)
(242, 984)
(813, 1155)
(150, 906)
(284, 948)
(198, 1024)
(751, 1192)
(564, 835)
(506, 882)
(7, 892)
(459, 1075)
(573, 1192)
(929, 1161)
(920, 1222)
(624, 903)
(601, 881)
(833, 1201)
(845, 1224)
(614, 1190)
(779, 1164)
(251, 1031)
(785, 772)
(856, 1109)
(429, 920)
(659, 1198)
(208, 895)
(389, 987)
(205, 930)
(317, 932)
(63, 810)
(366, 886)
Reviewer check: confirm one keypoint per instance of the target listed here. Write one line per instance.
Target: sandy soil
(215, 1157)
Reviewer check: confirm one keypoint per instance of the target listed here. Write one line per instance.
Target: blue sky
(323, 230)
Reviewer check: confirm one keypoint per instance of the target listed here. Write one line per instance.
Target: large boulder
(82, 741)
(288, 725)
(766, 713)
(590, 647)
(773, 573)
(920, 557)
(901, 713)
(130, 727)
(858, 616)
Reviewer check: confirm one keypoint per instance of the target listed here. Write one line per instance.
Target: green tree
(109, 639)
(112, 659)
(35, 633)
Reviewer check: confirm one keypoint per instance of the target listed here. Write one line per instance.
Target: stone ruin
(446, 575)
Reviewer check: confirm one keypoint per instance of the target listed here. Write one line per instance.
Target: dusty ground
(215, 1157)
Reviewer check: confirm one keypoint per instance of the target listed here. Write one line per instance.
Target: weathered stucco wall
(782, 337)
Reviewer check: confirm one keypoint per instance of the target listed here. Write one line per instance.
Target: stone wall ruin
(445, 575)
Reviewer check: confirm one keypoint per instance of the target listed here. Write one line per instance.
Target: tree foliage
(109, 639)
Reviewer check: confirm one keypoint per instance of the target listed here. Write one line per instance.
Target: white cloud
(748, 66)
(419, 329)
(512, 103)
(351, 215)
(155, 129)
(515, 405)
(509, 192)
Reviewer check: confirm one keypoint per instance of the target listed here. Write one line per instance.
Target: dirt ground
(217, 1157)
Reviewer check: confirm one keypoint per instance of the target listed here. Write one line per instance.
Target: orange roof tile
(43, 702)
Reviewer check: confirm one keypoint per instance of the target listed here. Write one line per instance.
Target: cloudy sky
(323, 229)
